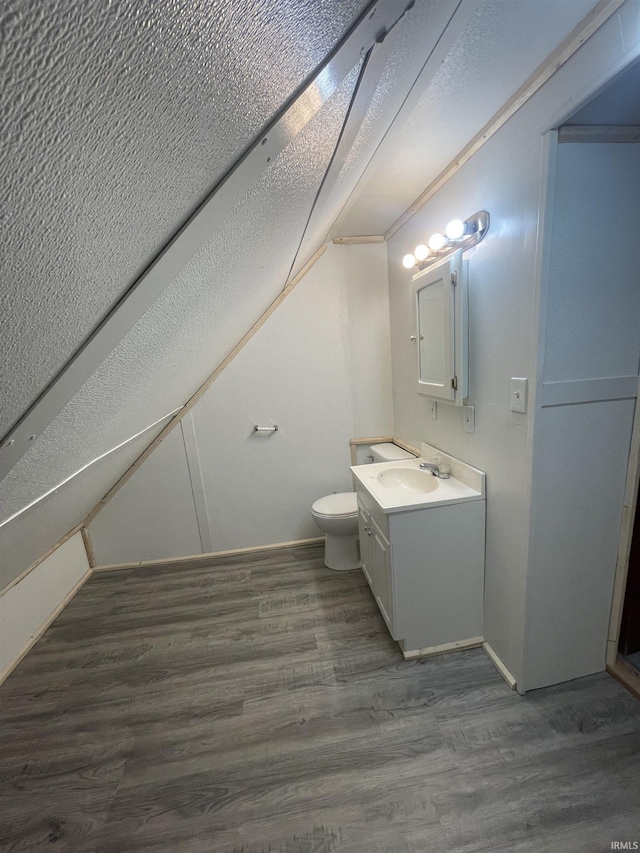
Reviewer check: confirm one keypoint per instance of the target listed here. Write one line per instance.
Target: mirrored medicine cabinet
(441, 330)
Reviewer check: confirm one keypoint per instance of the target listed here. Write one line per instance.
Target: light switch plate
(433, 410)
(518, 394)
(469, 418)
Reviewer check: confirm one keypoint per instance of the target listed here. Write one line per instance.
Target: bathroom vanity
(422, 550)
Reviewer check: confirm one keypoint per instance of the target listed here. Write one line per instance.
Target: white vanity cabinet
(375, 554)
(425, 567)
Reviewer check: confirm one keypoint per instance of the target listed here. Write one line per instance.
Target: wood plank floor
(258, 705)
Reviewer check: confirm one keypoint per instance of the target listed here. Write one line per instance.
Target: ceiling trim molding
(372, 26)
(347, 241)
(572, 133)
(600, 13)
(202, 390)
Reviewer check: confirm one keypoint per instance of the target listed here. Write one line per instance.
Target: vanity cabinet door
(375, 556)
(364, 529)
(381, 574)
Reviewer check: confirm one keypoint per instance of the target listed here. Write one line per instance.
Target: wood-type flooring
(256, 704)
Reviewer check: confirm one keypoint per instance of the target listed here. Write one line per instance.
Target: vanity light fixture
(422, 252)
(459, 234)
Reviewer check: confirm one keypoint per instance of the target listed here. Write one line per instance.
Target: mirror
(431, 344)
(440, 316)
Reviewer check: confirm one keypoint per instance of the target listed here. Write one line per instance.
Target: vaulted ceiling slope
(120, 118)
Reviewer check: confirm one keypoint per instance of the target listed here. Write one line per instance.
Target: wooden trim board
(408, 447)
(206, 385)
(626, 675)
(378, 439)
(499, 665)
(350, 241)
(88, 547)
(194, 559)
(584, 30)
(41, 559)
(50, 619)
(430, 651)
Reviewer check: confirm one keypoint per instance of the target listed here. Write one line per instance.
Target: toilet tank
(388, 452)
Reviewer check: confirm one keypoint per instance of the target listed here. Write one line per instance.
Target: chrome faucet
(443, 472)
(430, 466)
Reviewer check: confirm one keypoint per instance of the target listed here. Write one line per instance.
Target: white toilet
(337, 516)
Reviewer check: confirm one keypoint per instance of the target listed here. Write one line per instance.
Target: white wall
(589, 358)
(27, 606)
(506, 178)
(320, 369)
(25, 538)
(166, 514)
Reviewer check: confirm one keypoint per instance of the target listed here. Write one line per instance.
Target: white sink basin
(411, 479)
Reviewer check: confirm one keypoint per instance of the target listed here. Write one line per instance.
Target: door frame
(616, 666)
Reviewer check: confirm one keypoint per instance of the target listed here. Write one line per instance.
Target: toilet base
(341, 553)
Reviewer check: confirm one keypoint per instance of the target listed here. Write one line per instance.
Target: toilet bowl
(337, 516)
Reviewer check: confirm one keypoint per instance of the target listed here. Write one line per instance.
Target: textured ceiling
(502, 45)
(120, 117)
(117, 119)
(197, 320)
(410, 43)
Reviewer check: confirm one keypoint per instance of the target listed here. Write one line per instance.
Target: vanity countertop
(465, 484)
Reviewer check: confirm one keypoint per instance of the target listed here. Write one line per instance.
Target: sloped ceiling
(120, 118)
(498, 49)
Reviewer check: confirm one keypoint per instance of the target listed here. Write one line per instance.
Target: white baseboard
(195, 558)
(28, 607)
(502, 669)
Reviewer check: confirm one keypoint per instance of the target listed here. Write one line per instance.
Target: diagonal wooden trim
(499, 665)
(408, 447)
(576, 38)
(205, 386)
(88, 547)
(348, 241)
(46, 554)
(48, 621)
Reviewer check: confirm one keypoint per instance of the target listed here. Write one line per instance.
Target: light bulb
(455, 229)
(408, 261)
(437, 241)
(421, 252)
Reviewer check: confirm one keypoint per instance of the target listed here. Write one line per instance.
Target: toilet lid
(344, 503)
